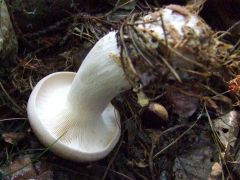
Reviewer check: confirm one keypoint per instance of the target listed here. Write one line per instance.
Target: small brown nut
(159, 110)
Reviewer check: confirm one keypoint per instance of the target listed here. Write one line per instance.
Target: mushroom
(72, 114)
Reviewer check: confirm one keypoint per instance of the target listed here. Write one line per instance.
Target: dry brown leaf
(47, 175)
(210, 103)
(44, 170)
(184, 105)
(216, 172)
(21, 168)
(196, 162)
(227, 127)
(13, 137)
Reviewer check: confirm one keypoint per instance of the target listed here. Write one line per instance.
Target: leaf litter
(172, 128)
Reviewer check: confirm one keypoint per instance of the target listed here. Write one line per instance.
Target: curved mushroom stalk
(72, 112)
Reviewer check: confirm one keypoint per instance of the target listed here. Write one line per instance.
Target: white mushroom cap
(72, 113)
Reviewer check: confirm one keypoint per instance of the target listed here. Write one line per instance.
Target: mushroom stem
(98, 80)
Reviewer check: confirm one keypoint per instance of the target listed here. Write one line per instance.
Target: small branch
(112, 160)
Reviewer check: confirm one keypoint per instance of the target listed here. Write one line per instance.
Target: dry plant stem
(112, 159)
(133, 36)
(140, 175)
(116, 172)
(196, 5)
(217, 142)
(126, 57)
(228, 30)
(21, 111)
(150, 159)
(177, 139)
(121, 174)
(12, 119)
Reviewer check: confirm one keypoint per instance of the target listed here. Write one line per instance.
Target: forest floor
(191, 144)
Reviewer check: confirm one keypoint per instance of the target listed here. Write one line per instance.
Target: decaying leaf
(142, 99)
(216, 172)
(227, 128)
(44, 170)
(196, 163)
(184, 105)
(47, 175)
(13, 137)
(21, 168)
(210, 103)
(234, 84)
